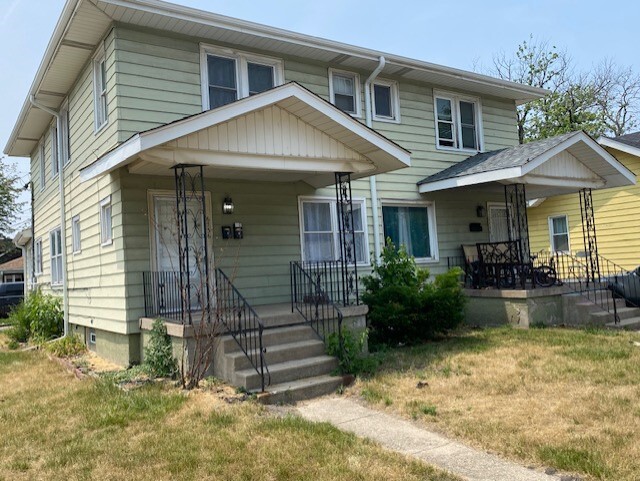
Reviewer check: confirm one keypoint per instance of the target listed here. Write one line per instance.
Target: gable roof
(629, 143)
(343, 143)
(590, 163)
(16, 264)
(83, 24)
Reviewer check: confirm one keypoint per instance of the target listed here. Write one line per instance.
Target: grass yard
(54, 427)
(552, 397)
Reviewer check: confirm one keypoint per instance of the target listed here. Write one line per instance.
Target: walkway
(406, 438)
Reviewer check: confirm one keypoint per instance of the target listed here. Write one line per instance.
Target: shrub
(38, 317)
(158, 354)
(404, 307)
(68, 346)
(351, 358)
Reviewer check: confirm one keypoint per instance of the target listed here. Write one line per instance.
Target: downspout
(372, 180)
(63, 222)
(33, 238)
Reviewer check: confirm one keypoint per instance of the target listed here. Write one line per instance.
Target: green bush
(351, 358)
(404, 307)
(158, 354)
(68, 346)
(38, 317)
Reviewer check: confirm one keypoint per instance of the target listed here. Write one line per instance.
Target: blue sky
(459, 34)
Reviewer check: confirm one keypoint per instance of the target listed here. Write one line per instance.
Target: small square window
(344, 90)
(385, 101)
(75, 234)
(106, 234)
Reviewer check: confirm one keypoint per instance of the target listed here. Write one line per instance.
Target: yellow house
(555, 223)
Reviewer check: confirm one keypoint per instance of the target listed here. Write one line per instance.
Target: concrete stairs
(581, 311)
(295, 356)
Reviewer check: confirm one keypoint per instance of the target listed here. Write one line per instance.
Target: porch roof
(558, 165)
(286, 134)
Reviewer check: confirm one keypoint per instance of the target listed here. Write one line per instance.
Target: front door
(498, 223)
(166, 243)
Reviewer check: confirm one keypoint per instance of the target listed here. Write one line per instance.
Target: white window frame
(358, 88)
(43, 171)
(456, 122)
(395, 101)
(552, 234)
(432, 222)
(55, 256)
(106, 222)
(55, 163)
(100, 106)
(65, 140)
(334, 225)
(242, 71)
(37, 270)
(76, 238)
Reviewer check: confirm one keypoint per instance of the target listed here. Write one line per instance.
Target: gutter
(63, 214)
(373, 186)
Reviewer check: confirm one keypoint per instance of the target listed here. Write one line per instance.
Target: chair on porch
(471, 265)
(501, 265)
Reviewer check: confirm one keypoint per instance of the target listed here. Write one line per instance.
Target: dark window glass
(408, 226)
(382, 96)
(222, 81)
(260, 78)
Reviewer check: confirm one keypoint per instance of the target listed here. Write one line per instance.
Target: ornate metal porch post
(193, 249)
(347, 237)
(589, 235)
(516, 203)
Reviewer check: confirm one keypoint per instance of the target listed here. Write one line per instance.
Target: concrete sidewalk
(406, 438)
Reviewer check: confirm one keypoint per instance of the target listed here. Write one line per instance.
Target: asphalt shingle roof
(630, 139)
(499, 159)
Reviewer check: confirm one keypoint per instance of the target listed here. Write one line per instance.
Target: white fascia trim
(472, 179)
(121, 155)
(614, 144)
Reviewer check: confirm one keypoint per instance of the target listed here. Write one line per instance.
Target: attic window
(229, 75)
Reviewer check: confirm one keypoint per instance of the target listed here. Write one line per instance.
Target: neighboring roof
(629, 143)
(16, 264)
(523, 164)
(378, 153)
(83, 24)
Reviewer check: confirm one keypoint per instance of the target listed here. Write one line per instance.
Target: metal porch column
(589, 236)
(516, 204)
(346, 229)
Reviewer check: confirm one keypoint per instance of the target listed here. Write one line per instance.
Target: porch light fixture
(480, 211)
(227, 206)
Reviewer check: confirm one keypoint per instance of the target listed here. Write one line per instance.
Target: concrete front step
(287, 371)
(237, 361)
(293, 391)
(271, 337)
(604, 317)
(630, 324)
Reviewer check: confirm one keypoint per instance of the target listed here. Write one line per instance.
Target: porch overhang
(286, 134)
(560, 165)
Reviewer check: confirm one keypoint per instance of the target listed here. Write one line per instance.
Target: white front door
(166, 249)
(498, 223)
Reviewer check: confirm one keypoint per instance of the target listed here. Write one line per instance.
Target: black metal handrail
(163, 298)
(329, 276)
(242, 322)
(315, 304)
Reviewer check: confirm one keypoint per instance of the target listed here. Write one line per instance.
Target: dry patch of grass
(562, 398)
(54, 427)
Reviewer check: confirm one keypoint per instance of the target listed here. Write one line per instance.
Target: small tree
(158, 354)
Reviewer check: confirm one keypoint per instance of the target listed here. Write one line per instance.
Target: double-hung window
(64, 137)
(43, 173)
(38, 257)
(457, 122)
(54, 151)
(344, 91)
(229, 75)
(106, 230)
(559, 233)
(385, 101)
(55, 242)
(412, 226)
(100, 91)
(75, 234)
(321, 232)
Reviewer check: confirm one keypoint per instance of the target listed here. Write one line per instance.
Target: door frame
(499, 205)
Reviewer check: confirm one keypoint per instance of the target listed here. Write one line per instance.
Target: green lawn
(53, 426)
(553, 397)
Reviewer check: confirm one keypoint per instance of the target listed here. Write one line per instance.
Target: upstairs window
(344, 90)
(457, 122)
(385, 101)
(64, 137)
(100, 91)
(229, 75)
(43, 173)
(54, 151)
(559, 233)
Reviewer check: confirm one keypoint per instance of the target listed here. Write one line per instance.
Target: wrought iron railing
(329, 275)
(164, 298)
(315, 304)
(242, 322)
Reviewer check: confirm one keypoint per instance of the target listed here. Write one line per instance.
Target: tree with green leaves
(9, 192)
